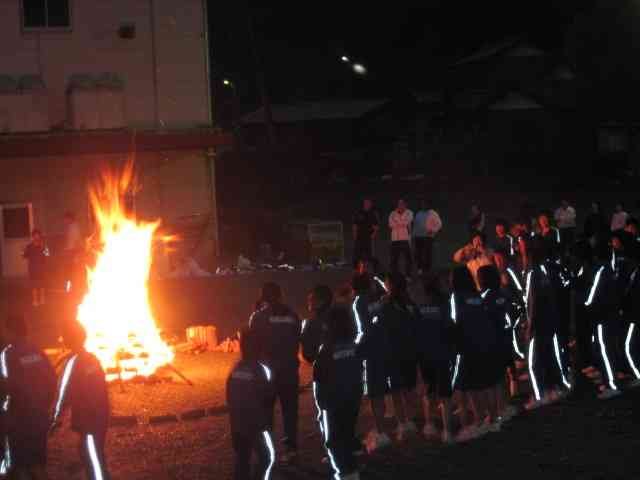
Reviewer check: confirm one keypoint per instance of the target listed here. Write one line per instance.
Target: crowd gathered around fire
(538, 298)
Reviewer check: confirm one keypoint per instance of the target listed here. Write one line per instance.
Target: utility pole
(261, 81)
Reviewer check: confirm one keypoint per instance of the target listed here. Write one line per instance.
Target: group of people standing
(541, 298)
(34, 400)
(412, 236)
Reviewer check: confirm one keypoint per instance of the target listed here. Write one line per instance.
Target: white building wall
(93, 46)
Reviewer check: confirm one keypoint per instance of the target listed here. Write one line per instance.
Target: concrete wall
(93, 46)
(175, 187)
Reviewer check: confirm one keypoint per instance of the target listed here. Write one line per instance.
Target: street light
(359, 69)
(345, 59)
(227, 82)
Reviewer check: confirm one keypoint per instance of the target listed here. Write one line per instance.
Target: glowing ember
(115, 312)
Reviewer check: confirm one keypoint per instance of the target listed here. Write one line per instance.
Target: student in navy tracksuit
(370, 335)
(314, 330)
(436, 357)
(631, 316)
(512, 284)
(27, 390)
(500, 309)
(83, 389)
(547, 371)
(579, 266)
(475, 370)
(250, 395)
(398, 319)
(278, 328)
(604, 304)
(337, 375)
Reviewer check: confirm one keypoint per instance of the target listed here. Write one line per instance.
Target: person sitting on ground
(250, 394)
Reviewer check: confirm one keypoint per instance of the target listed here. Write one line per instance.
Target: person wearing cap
(279, 328)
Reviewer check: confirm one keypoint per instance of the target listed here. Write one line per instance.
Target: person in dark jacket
(631, 312)
(596, 227)
(366, 304)
(398, 319)
(500, 309)
(477, 342)
(547, 371)
(436, 357)
(250, 395)
(83, 389)
(27, 389)
(36, 254)
(314, 330)
(504, 243)
(337, 387)
(278, 328)
(604, 304)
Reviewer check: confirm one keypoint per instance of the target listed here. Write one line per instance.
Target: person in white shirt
(400, 221)
(426, 226)
(565, 218)
(619, 218)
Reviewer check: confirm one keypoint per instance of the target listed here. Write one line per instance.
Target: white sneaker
(405, 430)
(429, 431)
(609, 393)
(467, 434)
(376, 441)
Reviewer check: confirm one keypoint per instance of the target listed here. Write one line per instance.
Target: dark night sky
(402, 47)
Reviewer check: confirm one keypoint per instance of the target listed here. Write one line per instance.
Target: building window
(46, 14)
(16, 222)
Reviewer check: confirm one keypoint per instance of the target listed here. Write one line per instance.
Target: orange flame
(115, 312)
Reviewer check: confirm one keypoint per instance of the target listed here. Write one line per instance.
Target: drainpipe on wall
(211, 164)
(154, 63)
(207, 65)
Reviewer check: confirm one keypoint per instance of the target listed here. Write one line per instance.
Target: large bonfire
(115, 312)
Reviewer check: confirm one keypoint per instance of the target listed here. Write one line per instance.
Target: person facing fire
(278, 329)
(28, 388)
(83, 389)
(338, 392)
(314, 330)
(250, 395)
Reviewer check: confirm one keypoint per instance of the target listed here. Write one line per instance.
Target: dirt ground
(581, 438)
